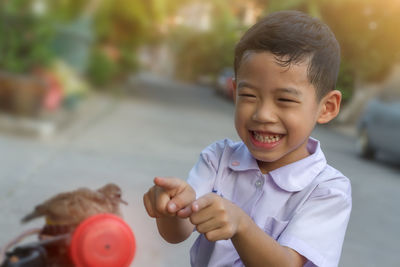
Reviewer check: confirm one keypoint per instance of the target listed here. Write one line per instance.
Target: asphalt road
(159, 127)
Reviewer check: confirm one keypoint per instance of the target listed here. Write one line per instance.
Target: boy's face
(276, 109)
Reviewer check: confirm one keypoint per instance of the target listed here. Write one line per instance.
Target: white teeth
(266, 138)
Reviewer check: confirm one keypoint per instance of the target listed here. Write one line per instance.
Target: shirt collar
(242, 160)
(292, 177)
(297, 175)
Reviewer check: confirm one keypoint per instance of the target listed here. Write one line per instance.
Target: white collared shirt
(304, 205)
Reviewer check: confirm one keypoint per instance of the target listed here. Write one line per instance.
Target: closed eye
(247, 95)
(287, 100)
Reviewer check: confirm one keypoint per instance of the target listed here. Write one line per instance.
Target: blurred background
(120, 91)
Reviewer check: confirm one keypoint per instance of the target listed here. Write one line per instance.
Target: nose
(265, 113)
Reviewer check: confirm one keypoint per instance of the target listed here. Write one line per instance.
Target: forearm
(256, 248)
(174, 229)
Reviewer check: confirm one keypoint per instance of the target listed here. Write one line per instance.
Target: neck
(266, 167)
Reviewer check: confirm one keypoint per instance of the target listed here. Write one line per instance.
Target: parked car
(379, 125)
(224, 82)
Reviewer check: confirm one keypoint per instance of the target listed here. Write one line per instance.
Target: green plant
(128, 62)
(345, 83)
(102, 69)
(24, 38)
(206, 53)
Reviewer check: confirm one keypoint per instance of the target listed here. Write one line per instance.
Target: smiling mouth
(266, 138)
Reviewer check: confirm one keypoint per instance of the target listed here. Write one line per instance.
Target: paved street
(159, 128)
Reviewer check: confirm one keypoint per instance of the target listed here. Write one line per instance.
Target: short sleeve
(318, 228)
(202, 175)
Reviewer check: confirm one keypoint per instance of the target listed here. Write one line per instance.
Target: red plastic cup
(103, 240)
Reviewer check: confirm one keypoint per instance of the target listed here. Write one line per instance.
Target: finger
(208, 226)
(182, 199)
(148, 205)
(202, 216)
(215, 235)
(167, 183)
(203, 202)
(161, 203)
(185, 212)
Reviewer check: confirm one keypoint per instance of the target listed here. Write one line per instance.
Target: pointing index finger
(167, 183)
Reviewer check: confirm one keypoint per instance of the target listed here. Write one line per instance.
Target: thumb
(181, 200)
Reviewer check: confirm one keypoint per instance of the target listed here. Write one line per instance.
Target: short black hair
(293, 36)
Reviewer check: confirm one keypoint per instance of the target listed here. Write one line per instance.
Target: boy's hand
(167, 197)
(216, 217)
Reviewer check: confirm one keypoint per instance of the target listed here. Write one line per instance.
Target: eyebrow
(288, 90)
(242, 84)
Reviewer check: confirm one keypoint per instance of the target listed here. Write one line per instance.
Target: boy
(270, 200)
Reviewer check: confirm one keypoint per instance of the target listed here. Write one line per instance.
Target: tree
(206, 53)
(366, 31)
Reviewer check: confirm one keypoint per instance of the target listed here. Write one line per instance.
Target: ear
(234, 89)
(329, 106)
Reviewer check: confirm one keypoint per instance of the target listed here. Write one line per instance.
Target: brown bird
(71, 208)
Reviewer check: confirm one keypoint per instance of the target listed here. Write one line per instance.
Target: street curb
(62, 122)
